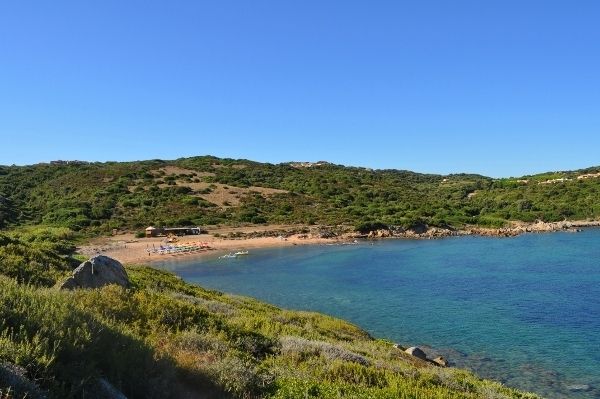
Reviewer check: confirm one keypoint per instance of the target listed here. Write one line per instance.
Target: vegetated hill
(204, 190)
(163, 338)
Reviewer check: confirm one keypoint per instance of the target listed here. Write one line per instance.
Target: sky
(497, 87)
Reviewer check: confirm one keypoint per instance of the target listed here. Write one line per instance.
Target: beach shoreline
(128, 249)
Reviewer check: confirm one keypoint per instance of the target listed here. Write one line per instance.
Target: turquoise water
(522, 310)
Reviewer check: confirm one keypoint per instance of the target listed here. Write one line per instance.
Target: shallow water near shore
(524, 310)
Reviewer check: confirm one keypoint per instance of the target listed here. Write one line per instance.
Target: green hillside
(96, 197)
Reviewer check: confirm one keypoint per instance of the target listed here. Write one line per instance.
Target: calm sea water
(523, 310)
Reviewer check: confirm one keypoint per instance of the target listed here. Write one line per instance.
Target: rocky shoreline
(417, 232)
(516, 229)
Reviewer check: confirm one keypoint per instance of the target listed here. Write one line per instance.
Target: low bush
(304, 347)
(37, 263)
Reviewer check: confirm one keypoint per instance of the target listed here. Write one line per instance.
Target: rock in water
(416, 352)
(441, 361)
(97, 272)
(579, 387)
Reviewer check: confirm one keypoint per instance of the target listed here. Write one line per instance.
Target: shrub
(240, 377)
(30, 262)
(64, 345)
(367, 227)
(304, 347)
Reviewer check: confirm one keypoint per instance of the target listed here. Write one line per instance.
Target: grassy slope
(206, 190)
(165, 338)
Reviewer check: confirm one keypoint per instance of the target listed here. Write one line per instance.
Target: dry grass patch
(176, 170)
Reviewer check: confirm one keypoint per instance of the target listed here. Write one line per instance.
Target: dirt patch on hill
(222, 195)
(177, 171)
(234, 166)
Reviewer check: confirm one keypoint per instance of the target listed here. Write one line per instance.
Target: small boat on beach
(238, 253)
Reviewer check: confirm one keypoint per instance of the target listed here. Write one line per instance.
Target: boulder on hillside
(416, 352)
(14, 379)
(97, 272)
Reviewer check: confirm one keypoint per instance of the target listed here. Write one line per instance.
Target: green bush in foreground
(38, 261)
(165, 338)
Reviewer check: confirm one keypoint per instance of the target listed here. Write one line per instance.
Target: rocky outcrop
(97, 272)
(419, 228)
(441, 361)
(419, 353)
(15, 378)
(324, 233)
(382, 233)
(515, 229)
(416, 352)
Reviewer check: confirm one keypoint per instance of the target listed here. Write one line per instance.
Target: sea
(524, 310)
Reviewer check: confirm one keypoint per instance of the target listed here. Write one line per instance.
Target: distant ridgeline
(97, 197)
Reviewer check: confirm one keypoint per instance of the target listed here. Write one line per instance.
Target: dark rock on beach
(97, 272)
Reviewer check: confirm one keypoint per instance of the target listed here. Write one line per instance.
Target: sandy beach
(128, 249)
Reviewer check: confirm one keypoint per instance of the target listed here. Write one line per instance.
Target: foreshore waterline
(441, 282)
(130, 250)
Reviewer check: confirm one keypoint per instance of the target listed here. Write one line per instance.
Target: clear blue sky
(496, 87)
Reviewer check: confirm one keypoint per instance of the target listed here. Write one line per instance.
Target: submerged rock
(579, 387)
(416, 352)
(97, 272)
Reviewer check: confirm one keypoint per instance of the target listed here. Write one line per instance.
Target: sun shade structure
(179, 231)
